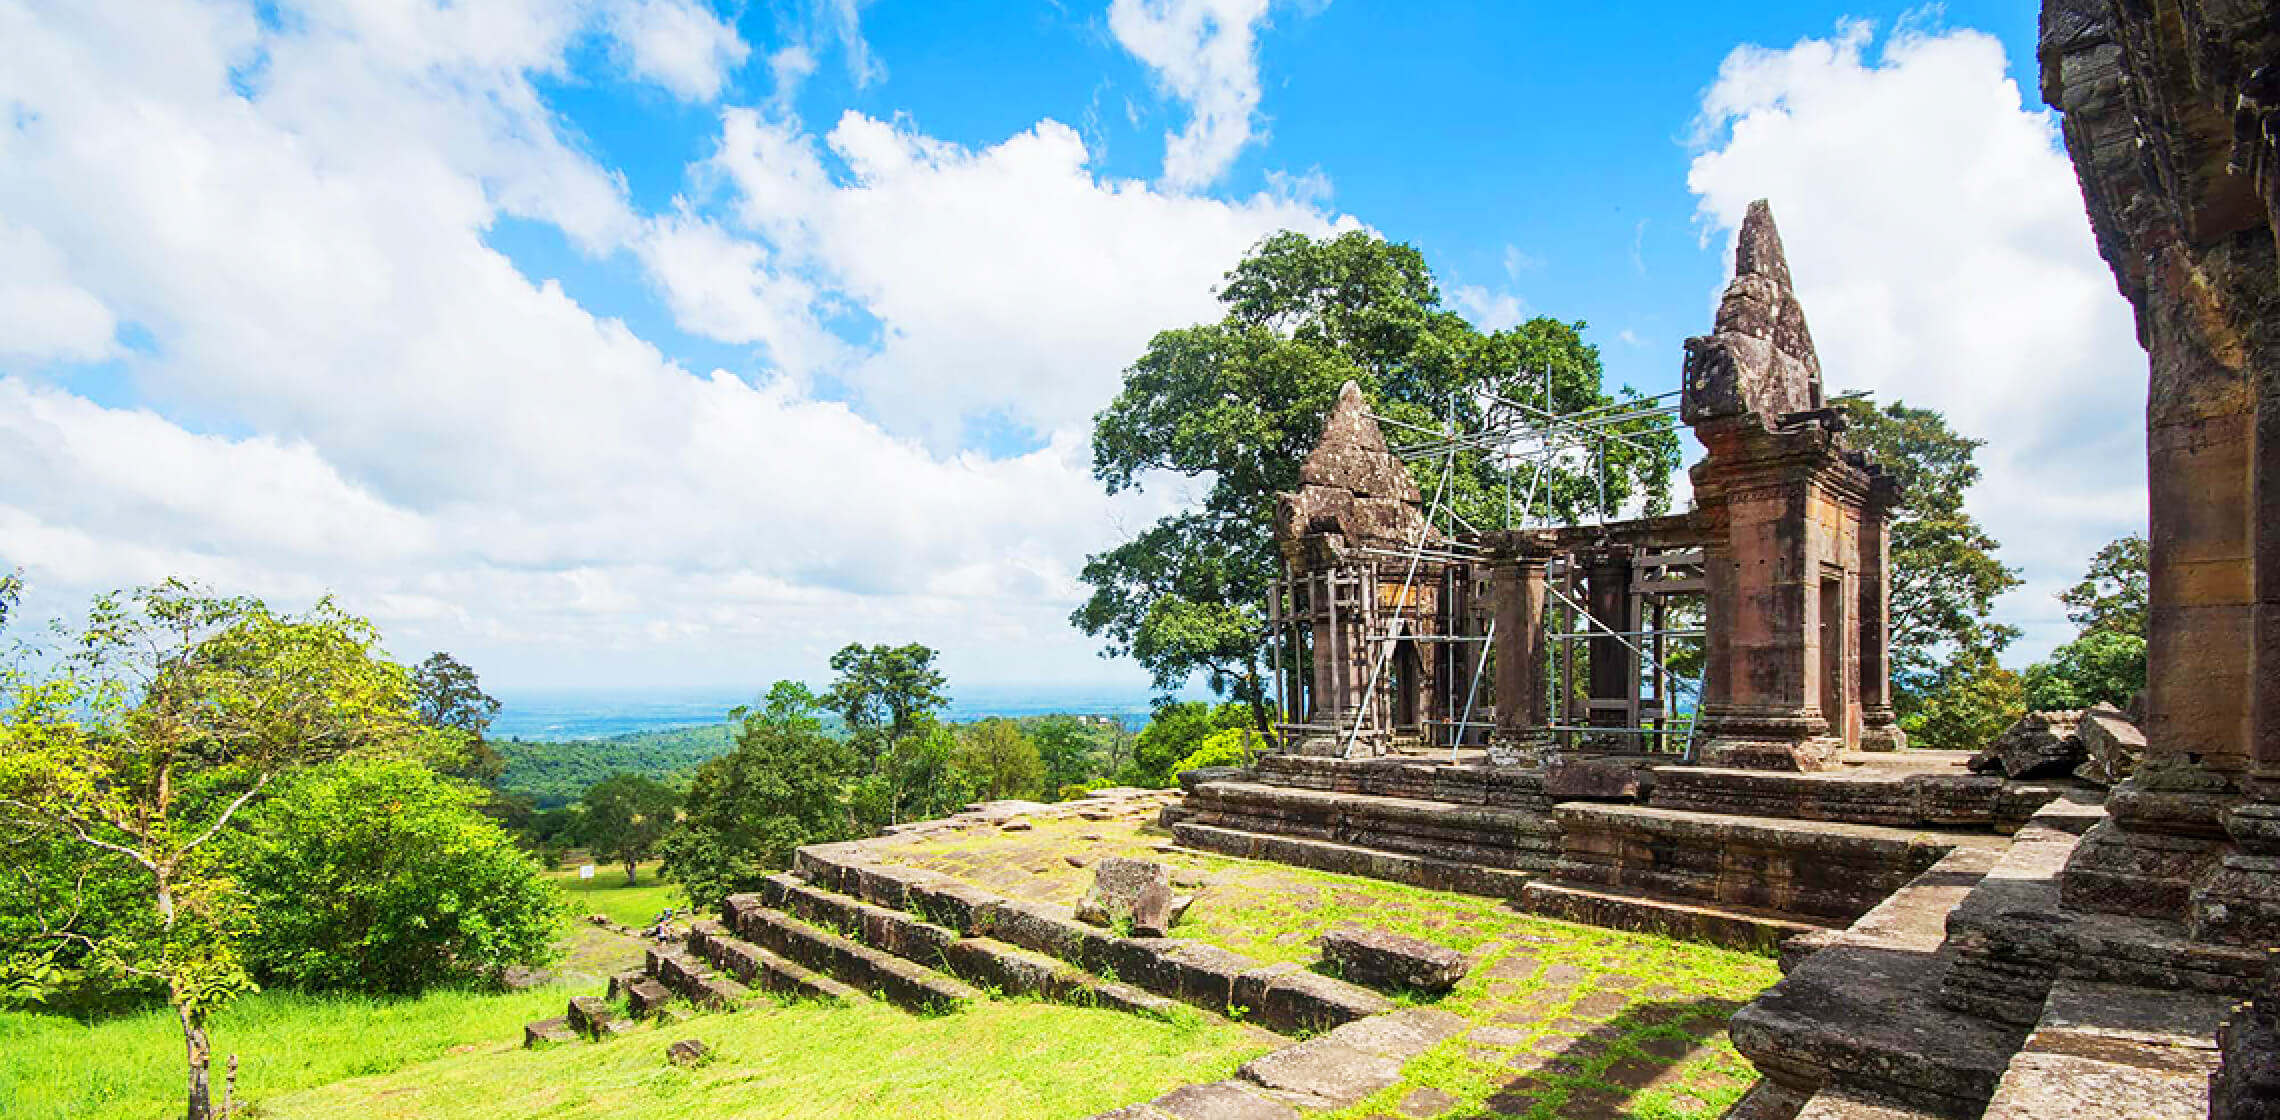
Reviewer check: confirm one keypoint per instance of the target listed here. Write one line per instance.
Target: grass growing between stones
(53, 1067)
(1567, 1021)
(1014, 1058)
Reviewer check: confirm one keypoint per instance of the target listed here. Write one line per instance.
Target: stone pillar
(1517, 584)
(1614, 665)
(1879, 729)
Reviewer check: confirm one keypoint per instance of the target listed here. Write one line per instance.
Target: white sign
(585, 871)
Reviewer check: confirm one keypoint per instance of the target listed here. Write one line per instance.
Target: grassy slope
(52, 1067)
(607, 893)
(998, 1059)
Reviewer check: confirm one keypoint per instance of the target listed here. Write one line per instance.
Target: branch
(80, 833)
(224, 819)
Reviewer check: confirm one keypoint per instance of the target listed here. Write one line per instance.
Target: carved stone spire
(1759, 358)
(1352, 485)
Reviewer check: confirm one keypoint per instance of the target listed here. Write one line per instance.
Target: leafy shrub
(1232, 747)
(1174, 732)
(383, 877)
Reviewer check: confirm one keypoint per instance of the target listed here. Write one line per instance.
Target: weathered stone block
(2039, 744)
(547, 1032)
(2111, 745)
(688, 1052)
(1387, 960)
(1137, 892)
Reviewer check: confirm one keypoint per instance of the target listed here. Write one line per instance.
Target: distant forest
(555, 774)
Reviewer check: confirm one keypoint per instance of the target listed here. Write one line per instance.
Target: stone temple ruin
(1495, 712)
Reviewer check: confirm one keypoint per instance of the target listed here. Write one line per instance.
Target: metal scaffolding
(1433, 623)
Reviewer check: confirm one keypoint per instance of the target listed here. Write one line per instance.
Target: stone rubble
(2111, 745)
(2039, 744)
(1133, 891)
(1392, 962)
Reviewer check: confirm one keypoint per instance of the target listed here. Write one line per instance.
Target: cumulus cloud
(346, 387)
(1202, 52)
(1937, 238)
(681, 45)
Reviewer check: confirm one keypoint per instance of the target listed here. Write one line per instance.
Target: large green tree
(785, 784)
(884, 693)
(1945, 576)
(1240, 401)
(382, 876)
(625, 817)
(145, 733)
(2106, 660)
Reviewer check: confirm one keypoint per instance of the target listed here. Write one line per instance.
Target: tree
(1241, 401)
(451, 697)
(884, 691)
(382, 877)
(784, 785)
(146, 734)
(1174, 732)
(1070, 749)
(918, 779)
(1971, 701)
(2113, 594)
(1000, 760)
(625, 816)
(2101, 666)
(1944, 573)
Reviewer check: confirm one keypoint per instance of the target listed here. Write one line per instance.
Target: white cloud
(1008, 280)
(1202, 52)
(1488, 310)
(346, 387)
(681, 45)
(1937, 238)
(43, 314)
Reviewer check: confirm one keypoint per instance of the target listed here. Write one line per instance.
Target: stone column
(1614, 665)
(1517, 584)
(1879, 730)
(2165, 825)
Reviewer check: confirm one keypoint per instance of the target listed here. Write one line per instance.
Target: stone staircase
(1476, 829)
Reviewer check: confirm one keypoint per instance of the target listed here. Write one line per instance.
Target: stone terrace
(1566, 1020)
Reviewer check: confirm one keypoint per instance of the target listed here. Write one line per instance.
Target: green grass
(997, 1059)
(607, 893)
(131, 1066)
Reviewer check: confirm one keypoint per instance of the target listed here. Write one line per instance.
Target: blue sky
(647, 342)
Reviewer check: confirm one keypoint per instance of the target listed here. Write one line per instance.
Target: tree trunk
(629, 873)
(194, 1042)
(1255, 691)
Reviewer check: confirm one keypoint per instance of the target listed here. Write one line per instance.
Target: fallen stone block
(619, 982)
(2039, 744)
(1134, 891)
(1391, 961)
(2111, 745)
(688, 1052)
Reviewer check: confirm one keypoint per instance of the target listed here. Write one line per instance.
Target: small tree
(784, 785)
(1174, 732)
(625, 818)
(451, 697)
(1071, 750)
(148, 731)
(2113, 594)
(1000, 760)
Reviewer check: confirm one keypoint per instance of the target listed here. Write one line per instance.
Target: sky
(646, 343)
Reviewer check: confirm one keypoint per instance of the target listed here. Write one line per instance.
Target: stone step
(1352, 859)
(1333, 1070)
(687, 975)
(1913, 918)
(2013, 939)
(1281, 997)
(2109, 1052)
(1515, 839)
(899, 981)
(1616, 908)
(1821, 872)
(1840, 1104)
(1866, 1019)
(1418, 779)
(1934, 797)
(760, 968)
